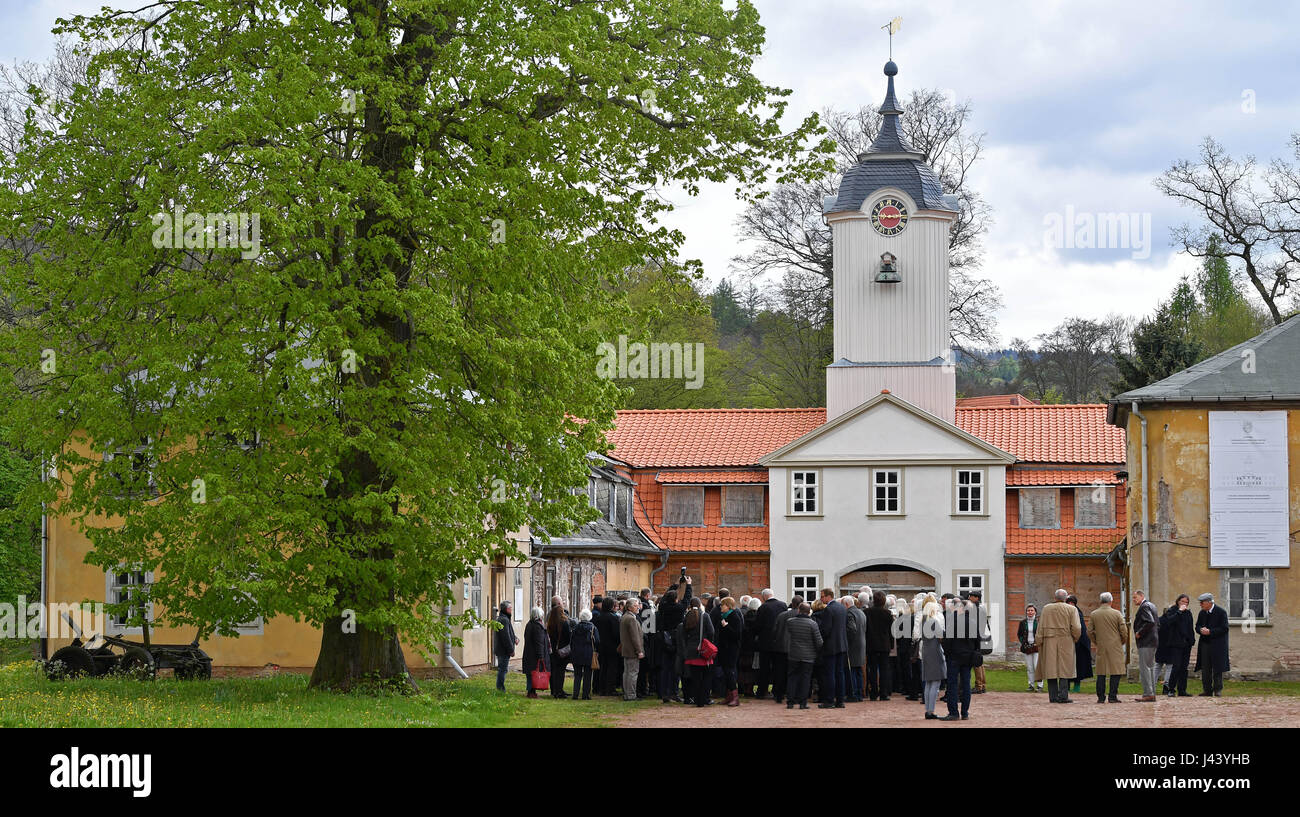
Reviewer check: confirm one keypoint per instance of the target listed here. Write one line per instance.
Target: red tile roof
(758, 477)
(995, 400)
(1053, 433)
(710, 538)
(1066, 540)
(693, 438)
(1050, 476)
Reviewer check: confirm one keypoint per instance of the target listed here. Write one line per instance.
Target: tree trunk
(365, 657)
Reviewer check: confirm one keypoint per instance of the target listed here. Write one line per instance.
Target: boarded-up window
(1094, 507)
(1039, 508)
(742, 505)
(683, 505)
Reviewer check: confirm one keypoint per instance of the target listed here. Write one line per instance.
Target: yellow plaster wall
(1178, 454)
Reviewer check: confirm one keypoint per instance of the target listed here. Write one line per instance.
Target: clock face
(889, 216)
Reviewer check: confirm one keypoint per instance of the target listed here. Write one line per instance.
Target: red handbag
(541, 677)
(708, 650)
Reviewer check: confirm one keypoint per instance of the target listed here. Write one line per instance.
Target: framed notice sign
(1249, 518)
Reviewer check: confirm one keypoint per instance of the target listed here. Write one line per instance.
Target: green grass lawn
(28, 699)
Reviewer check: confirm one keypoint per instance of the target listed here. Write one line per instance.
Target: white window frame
(873, 506)
(1265, 577)
(799, 492)
(474, 594)
(751, 487)
(983, 487)
(110, 597)
(1110, 493)
(1020, 500)
(809, 594)
(151, 488)
(677, 489)
(971, 585)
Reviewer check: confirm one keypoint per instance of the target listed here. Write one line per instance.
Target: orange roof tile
(758, 477)
(710, 538)
(1053, 433)
(1062, 542)
(693, 438)
(1066, 540)
(1060, 476)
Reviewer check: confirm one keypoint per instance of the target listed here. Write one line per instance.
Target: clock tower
(889, 223)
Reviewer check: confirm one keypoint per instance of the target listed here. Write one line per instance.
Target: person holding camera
(668, 615)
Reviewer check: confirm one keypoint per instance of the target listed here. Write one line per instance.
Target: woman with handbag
(537, 654)
(694, 635)
(585, 642)
(1028, 637)
(560, 630)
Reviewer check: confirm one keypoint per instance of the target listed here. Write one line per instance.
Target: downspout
(45, 544)
(446, 645)
(663, 562)
(1146, 504)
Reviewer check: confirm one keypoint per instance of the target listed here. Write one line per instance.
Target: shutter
(743, 505)
(1038, 508)
(1090, 514)
(683, 505)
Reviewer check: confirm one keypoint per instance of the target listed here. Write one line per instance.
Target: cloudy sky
(1083, 105)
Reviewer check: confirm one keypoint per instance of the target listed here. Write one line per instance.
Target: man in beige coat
(1109, 633)
(1057, 632)
(631, 647)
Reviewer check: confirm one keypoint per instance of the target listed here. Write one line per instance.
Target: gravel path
(990, 709)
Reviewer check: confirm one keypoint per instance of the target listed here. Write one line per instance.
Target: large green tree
(449, 193)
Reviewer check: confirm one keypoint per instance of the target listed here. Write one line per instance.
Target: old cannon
(186, 661)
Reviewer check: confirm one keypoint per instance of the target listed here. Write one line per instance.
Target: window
(967, 582)
(968, 495)
(742, 505)
(805, 493)
(131, 468)
(1039, 508)
(602, 497)
(683, 505)
(887, 491)
(550, 586)
(475, 600)
(126, 586)
(1094, 507)
(1248, 593)
(806, 585)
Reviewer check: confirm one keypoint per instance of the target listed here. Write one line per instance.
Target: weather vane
(893, 26)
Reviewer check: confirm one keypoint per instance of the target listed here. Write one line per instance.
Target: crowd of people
(834, 651)
(1058, 646)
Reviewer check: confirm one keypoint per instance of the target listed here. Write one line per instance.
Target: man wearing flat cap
(1212, 646)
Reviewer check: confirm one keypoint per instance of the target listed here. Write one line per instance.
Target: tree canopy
(437, 208)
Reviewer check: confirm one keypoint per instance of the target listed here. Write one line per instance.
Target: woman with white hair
(933, 664)
(537, 648)
(905, 680)
(585, 642)
(749, 645)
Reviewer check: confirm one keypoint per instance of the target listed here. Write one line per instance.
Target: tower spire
(890, 139)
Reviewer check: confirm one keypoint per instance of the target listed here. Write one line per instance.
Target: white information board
(519, 604)
(1249, 518)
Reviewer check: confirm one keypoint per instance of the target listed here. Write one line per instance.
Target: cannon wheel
(198, 671)
(70, 662)
(138, 661)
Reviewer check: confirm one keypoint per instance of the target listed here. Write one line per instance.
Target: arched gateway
(900, 578)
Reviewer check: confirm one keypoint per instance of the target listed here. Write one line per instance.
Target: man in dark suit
(1212, 648)
(503, 644)
(771, 655)
(835, 650)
